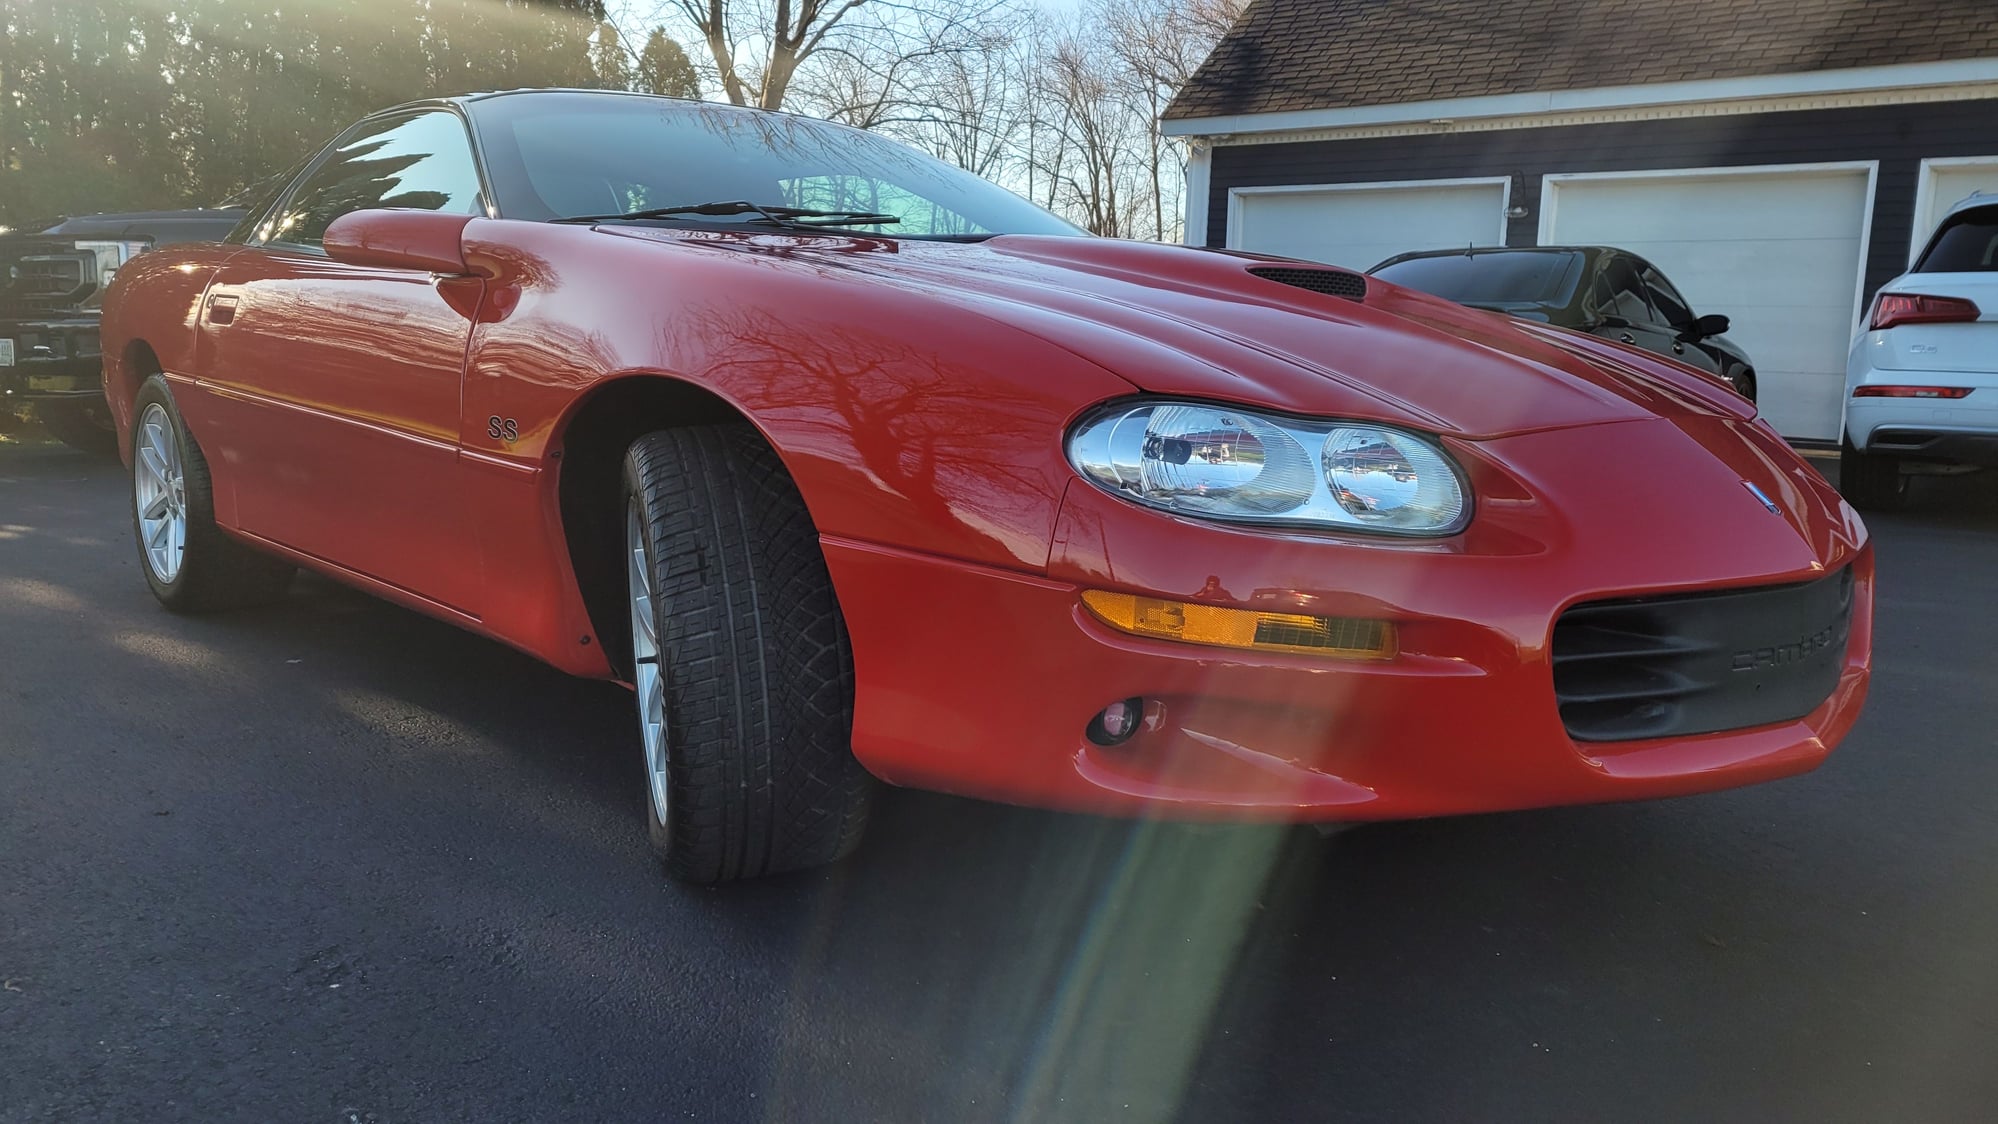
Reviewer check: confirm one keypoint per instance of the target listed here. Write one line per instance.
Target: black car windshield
(1530, 277)
(559, 155)
(1967, 243)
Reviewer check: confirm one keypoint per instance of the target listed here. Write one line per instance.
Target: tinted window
(1516, 278)
(1967, 243)
(560, 155)
(1619, 292)
(424, 162)
(1671, 307)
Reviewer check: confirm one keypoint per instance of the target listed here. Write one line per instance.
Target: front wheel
(1743, 381)
(189, 563)
(1869, 481)
(740, 661)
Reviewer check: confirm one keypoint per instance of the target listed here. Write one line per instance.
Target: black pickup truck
(51, 295)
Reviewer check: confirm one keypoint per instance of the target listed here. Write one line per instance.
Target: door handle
(1627, 338)
(1678, 349)
(222, 308)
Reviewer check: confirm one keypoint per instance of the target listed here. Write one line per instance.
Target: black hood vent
(1331, 282)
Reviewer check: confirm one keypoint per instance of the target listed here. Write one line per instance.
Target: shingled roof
(1325, 54)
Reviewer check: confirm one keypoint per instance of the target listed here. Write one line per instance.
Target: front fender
(904, 420)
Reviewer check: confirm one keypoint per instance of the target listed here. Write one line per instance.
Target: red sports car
(856, 466)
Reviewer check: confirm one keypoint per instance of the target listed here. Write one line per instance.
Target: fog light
(1340, 637)
(1117, 722)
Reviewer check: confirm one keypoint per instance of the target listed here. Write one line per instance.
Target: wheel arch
(125, 371)
(591, 439)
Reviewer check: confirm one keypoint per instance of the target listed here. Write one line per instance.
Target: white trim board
(1199, 160)
(1950, 80)
(1928, 208)
(1236, 194)
(1551, 184)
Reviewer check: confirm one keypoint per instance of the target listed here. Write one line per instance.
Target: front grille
(1332, 282)
(1675, 666)
(32, 283)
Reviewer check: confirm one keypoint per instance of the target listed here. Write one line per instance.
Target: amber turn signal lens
(1341, 637)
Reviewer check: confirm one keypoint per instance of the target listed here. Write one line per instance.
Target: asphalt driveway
(332, 861)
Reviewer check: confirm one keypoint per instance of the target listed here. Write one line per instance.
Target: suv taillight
(1906, 308)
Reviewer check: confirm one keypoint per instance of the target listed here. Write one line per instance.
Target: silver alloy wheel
(159, 493)
(650, 684)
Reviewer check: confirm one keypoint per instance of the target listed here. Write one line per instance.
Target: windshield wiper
(776, 215)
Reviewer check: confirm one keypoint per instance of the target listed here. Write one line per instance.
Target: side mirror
(397, 239)
(1712, 324)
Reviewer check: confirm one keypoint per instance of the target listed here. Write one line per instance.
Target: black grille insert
(1676, 666)
(1332, 282)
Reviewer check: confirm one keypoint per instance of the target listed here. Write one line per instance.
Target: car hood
(1202, 323)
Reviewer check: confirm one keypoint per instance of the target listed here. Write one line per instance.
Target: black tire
(1743, 381)
(757, 675)
(1869, 481)
(215, 572)
(82, 424)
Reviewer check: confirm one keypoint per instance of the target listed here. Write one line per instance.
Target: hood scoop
(1331, 282)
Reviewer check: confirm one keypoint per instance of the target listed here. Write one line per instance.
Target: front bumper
(53, 358)
(981, 682)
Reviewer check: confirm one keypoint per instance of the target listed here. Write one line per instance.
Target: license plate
(6, 352)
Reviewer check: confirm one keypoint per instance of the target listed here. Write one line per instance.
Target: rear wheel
(189, 563)
(83, 424)
(740, 661)
(1869, 481)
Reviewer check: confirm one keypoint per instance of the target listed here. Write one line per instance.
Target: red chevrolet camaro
(856, 466)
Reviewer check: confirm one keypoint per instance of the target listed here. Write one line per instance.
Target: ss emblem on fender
(502, 429)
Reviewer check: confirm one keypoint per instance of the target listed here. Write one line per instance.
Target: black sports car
(1601, 290)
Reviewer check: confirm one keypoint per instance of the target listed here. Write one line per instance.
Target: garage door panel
(1778, 252)
(1720, 277)
(1358, 227)
(1720, 208)
(1801, 404)
(1789, 339)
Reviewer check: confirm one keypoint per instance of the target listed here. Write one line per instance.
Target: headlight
(1220, 462)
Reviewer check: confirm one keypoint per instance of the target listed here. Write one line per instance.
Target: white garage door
(1778, 250)
(1945, 182)
(1360, 225)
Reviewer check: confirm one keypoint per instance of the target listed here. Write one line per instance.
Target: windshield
(561, 155)
(1967, 243)
(1509, 278)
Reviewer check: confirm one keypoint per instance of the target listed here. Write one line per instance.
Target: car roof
(1475, 251)
(1589, 252)
(464, 102)
(1974, 199)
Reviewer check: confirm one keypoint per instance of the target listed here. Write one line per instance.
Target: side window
(1672, 308)
(423, 162)
(1618, 292)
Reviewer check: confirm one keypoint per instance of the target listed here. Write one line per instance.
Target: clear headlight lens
(1225, 463)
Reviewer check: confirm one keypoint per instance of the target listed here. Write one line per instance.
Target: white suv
(1921, 387)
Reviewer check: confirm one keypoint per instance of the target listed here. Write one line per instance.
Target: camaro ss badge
(1758, 494)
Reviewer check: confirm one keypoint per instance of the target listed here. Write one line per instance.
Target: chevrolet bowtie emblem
(1758, 494)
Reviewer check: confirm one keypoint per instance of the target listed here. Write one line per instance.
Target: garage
(1779, 171)
(1779, 250)
(1359, 225)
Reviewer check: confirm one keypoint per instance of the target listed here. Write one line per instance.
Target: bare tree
(1064, 108)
